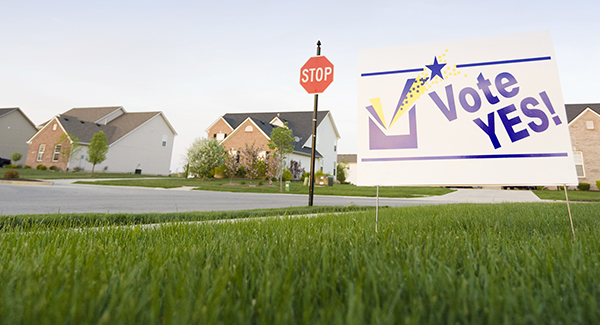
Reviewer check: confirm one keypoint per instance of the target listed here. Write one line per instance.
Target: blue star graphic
(436, 68)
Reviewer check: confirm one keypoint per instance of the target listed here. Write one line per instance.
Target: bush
(77, 169)
(287, 175)
(11, 174)
(341, 172)
(16, 156)
(583, 186)
(54, 168)
(220, 172)
(11, 166)
(40, 167)
(26, 167)
(305, 175)
(598, 184)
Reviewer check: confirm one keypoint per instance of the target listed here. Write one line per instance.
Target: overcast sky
(197, 60)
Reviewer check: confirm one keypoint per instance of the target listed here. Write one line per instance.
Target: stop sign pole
(315, 76)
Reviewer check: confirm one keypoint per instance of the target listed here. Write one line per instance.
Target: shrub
(287, 175)
(54, 168)
(11, 166)
(305, 175)
(40, 167)
(16, 156)
(583, 186)
(11, 174)
(77, 169)
(26, 167)
(220, 172)
(341, 172)
(260, 183)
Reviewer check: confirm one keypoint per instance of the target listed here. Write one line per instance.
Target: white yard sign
(483, 111)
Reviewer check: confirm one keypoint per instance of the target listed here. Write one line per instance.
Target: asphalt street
(64, 197)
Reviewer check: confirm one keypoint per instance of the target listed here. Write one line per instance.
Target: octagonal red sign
(316, 74)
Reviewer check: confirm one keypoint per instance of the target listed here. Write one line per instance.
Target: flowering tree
(296, 169)
(249, 160)
(231, 165)
(204, 155)
(272, 165)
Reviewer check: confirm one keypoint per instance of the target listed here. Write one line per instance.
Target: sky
(198, 60)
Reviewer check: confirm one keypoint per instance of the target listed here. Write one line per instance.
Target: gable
(4, 112)
(575, 110)
(248, 133)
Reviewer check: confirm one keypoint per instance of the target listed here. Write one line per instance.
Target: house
(584, 121)
(138, 142)
(15, 129)
(235, 130)
(350, 161)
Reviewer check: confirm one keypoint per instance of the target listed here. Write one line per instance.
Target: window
(164, 140)
(41, 152)
(56, 152)
(589, 125)
(220, 136)
(249, 128)
(578, 157)
(334, 148)
(54, 127)
(334, 167)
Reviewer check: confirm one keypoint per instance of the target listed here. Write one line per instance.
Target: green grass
(77, 220)
(295, 187)
(573, 195)
(49, 174)
(476, 264)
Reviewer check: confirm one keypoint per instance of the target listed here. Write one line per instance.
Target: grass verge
(77, 220)
(573, 195)
(295, 187)
(50, 174)
(477, 264)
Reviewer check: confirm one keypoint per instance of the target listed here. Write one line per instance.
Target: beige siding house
(15, 130)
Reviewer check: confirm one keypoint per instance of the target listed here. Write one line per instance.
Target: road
(64, 197)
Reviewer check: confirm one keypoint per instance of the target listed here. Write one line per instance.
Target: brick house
(584, 121)
(234, 131)
(140, 141)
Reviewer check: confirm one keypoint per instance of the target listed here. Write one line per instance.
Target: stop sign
(316, 74)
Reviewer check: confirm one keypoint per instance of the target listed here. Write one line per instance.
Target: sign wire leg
(569, 208)
(377, 210)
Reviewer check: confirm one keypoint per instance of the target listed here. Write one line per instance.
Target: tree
(296, 169)
(70, 147)
(15, 156)
(282, 141)
(204, 155)
(271, 167)
(97, 149)
(249, 160)
(341, 167)
(231, 164)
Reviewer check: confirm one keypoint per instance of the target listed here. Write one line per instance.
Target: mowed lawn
(258, 186)
(476, 264)
(50, 174)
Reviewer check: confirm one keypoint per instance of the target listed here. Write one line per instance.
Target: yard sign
(485, 111)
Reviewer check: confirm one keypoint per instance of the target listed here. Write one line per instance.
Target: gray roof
(92, 114)
(347, 158)
(299, 122)
(573, 110)
(85, 130)
(81, 125)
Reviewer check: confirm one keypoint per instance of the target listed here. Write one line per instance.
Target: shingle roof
(347, 158)
(92, 114)
(573, 110)
(81, 125)
(85, 130)
(299, 122)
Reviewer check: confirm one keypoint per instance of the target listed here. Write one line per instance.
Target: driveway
(65, 197)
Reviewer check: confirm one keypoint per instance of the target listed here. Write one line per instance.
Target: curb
(26, 182)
